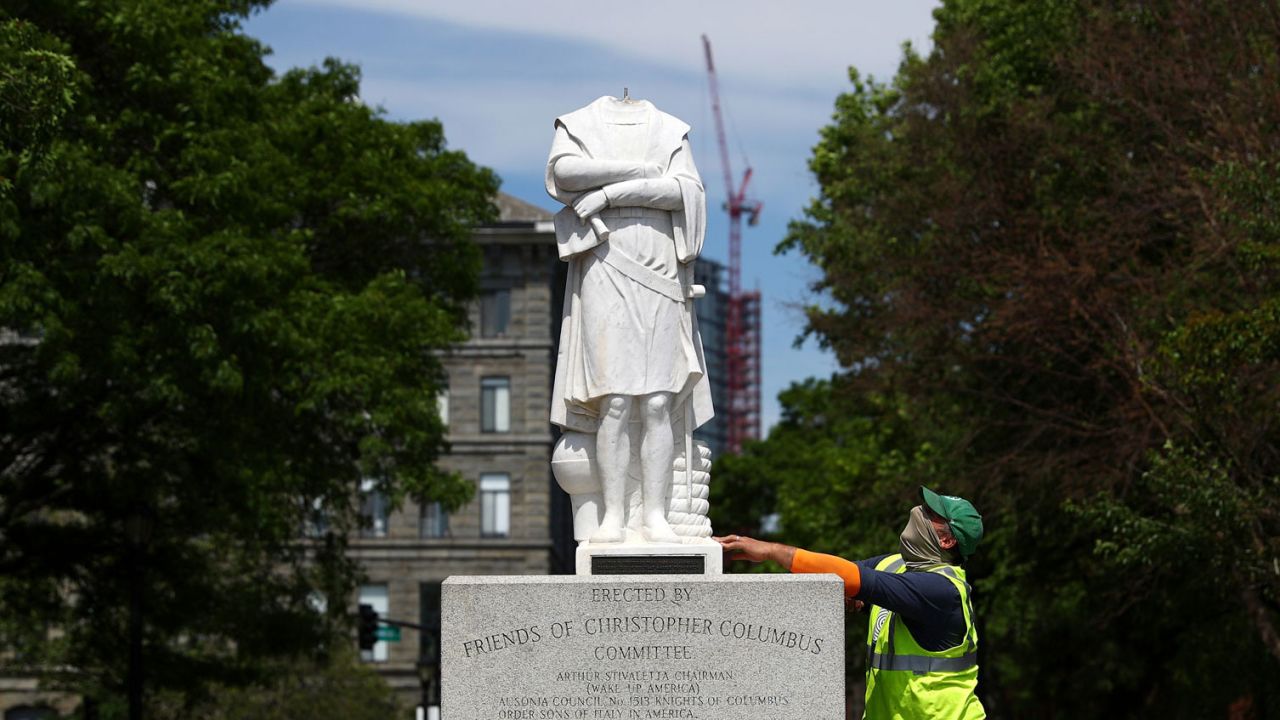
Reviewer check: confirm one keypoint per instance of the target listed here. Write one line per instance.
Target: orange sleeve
(811, 562)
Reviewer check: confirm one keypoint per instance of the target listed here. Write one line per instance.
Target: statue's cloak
(579, 134)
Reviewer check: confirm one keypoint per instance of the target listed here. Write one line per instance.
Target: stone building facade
(496, 408)
(496, 411)
(499, 396)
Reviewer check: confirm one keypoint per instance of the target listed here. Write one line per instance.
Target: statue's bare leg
(657, 450)
(613, 454)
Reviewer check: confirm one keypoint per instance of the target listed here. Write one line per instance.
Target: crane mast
(742, 324)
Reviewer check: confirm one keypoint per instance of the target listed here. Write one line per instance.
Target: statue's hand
(590, 203)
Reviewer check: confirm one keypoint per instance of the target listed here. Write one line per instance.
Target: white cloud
(804, 43)
(479, 119)
(488, 69)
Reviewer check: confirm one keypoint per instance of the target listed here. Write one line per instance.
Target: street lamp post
(138, 530)
(429, 677)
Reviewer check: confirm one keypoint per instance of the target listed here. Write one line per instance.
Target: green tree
(835, 460)
(336, 688)
(835, 469)
(36, 93)
(221, 297)
(1053, 242)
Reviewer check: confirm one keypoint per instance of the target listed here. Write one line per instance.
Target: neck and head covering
(921, 548)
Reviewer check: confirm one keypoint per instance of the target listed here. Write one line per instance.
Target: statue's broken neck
(629, 111)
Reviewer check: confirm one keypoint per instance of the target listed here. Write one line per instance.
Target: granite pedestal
(643, 647)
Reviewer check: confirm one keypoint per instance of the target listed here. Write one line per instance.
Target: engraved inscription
(641, 651)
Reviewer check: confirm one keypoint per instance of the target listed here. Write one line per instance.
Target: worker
(921, 641)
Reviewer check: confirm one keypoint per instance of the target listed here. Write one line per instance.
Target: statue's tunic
(628, 326)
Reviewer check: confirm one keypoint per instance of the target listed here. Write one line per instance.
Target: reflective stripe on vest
(923, 664)
(950, 572)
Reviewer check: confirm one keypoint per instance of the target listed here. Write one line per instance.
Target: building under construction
(741, 404)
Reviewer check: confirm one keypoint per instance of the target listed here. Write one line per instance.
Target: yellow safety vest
(907, 682)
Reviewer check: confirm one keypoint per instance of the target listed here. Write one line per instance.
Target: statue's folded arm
(659, 193)
(576, 174)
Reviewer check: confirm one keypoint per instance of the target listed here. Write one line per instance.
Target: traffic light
(368, 626)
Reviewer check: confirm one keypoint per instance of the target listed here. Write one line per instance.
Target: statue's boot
(657, 529)
(610, 531)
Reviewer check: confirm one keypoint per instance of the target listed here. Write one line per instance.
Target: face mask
(919, 541)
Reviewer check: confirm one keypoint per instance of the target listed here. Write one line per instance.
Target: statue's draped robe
(628, 325)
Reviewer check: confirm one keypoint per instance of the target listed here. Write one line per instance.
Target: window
(434, 522)
(316, 519)
(376, 596)
(495, 505)
(495, 313)
(429, 602)
(495, 404)
(373, 510)
(442, 404)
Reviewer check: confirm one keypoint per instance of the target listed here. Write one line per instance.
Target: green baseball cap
(961, 517)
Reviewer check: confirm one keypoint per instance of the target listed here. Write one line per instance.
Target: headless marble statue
(632, 226)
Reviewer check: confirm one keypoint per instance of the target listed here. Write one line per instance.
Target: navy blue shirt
(927, 603)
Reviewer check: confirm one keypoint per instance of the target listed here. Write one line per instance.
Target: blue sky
(496, 73)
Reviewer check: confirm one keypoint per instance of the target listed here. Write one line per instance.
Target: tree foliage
(1053, 243)
(337, 688)
(221, 297)
(833, 471)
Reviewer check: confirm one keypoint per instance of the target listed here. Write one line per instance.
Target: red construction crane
(742, 326)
